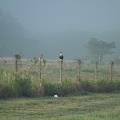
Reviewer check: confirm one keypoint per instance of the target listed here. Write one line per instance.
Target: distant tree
(44, 62)
(35, 60)
(99, 48)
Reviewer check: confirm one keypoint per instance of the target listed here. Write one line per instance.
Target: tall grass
(23, 85)
(14, 85)
(5, 91)
(25, 88)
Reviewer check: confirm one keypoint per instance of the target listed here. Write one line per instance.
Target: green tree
(99, 48)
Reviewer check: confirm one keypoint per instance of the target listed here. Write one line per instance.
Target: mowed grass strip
(87, 107)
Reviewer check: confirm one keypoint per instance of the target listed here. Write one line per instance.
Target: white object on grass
(55, 96)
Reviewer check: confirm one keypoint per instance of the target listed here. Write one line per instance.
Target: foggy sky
(50, 26)
(62, 15)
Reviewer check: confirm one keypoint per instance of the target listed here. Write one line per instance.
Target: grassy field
(84, 107)
(87, 107)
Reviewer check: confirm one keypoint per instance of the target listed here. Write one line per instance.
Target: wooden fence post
(61, 57)
(17, 58)
(79, 66)
(16, 65)
(40, 68)
(96, 70)
(61, 69)
(40, 65)
(111, 70)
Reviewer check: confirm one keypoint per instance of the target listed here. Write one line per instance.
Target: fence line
(50, 71)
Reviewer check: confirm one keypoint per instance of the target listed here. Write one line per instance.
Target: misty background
(32, 27)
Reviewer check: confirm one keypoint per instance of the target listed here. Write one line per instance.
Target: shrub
(64, 89)
(117, 85)
(108, 86)
(87, 86)
(37, 90)
(5, 91)
(69, 88)
(22, 87)
(52, 88)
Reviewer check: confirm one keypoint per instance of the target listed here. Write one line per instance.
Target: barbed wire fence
(50, 70)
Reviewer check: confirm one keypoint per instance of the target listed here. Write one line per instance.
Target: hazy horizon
(53, 25)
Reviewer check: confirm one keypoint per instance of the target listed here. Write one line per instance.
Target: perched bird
(61, 56)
